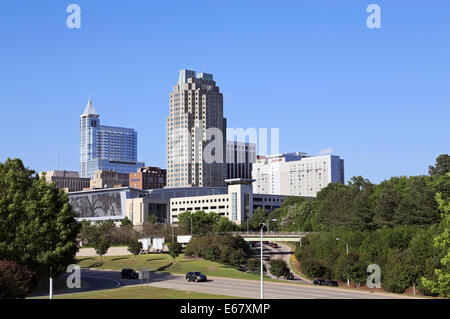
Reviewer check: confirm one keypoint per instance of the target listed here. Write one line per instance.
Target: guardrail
(271, 233)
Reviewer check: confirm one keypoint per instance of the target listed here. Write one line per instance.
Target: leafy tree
(38, 229)
(135, 247)
(224, 225)
(278, 268)
(15, 281)
(101, 246)
(174, 249)
(441, 285)
(442, 166)
(126, 222)
(202, 223)
(350, 267)
(259, 217)
(238, 257)
(418, 205)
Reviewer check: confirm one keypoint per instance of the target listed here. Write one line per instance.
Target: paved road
(112, 251)
(283, 252)
(97, 280)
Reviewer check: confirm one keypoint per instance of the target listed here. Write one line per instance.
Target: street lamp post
(346, 248)
(262, 265)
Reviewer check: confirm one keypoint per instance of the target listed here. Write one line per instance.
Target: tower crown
(89, 109)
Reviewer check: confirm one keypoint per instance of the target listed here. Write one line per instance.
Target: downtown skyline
(378, 98)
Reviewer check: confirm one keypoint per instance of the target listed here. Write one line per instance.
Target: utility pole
(262, 265)
(346, 248)
(51, 285)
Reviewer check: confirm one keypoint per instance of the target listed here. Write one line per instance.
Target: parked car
(319, 282)
(266, 258)
(128, 273)
(275, 245)
(195, 276)
(265, 242)
(289, 276)
(331, 283)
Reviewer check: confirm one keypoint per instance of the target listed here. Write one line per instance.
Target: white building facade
(296, 174)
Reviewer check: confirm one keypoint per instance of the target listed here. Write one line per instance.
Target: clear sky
(380, 98)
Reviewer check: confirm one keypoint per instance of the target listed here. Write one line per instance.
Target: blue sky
(379, 98)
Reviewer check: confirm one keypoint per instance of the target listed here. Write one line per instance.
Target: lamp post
(346, 248)
(262, 265)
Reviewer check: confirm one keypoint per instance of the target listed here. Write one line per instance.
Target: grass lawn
(156, 262)
(140, 293)
(150, 261)
(209, 268)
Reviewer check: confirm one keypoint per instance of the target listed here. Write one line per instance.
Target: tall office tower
(296, 173)
(196, 124)
(240, 156)
(106, 147)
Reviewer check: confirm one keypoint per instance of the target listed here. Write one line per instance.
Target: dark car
(129, 273)
(265, 242)
(274, 245)
(195, 276)
(331, 283)
(289, 276)
(319, 282)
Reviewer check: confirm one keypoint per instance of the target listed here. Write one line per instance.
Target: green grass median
(144, 292)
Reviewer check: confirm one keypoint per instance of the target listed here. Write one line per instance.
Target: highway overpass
(270, 236)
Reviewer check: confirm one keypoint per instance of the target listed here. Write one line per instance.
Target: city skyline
(377, 98)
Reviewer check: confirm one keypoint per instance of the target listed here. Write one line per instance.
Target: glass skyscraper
(106, 147)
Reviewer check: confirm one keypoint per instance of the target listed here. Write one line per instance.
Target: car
(289, 276)
(319, 282)
(275, 245)
(265, 242)
(128, 273)
(195, 276)
(266, 258)
(331, 283)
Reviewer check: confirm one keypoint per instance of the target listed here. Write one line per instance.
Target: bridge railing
(270, 233)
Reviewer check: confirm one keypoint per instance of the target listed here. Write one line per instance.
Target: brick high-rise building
(148, 178)
(195, 120)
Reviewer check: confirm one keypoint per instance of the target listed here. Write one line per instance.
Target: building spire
(89, 107)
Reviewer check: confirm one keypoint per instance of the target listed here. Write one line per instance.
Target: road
(100, 279)
(283, 252)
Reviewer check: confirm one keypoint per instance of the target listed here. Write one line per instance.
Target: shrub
(15, 281)
(238, 257)
(313, 268)
(254, 265)
(278, 267)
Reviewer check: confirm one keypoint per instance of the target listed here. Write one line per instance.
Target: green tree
(442, 166)
(202, 223)
(224, 225)
(441, 285)
(101, 246)
(126, 222)
(174, 249)
(278, 268)
(254, 265)
(350, 267)
(38, 229)
(135, 247)
(259, 217)
(238, 257)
